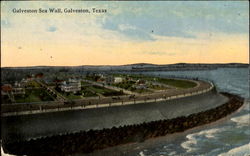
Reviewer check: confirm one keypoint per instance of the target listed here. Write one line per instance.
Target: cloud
(51, 29)
(178, 19)
(123, 27)
(144, 28)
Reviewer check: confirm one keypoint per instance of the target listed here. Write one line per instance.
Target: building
(73, 85)
(39, 76)
(5, 89)
(140, 81)
(18, 91)
(18, 88)
(118, 79)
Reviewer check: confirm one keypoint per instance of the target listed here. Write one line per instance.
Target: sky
(160, 32)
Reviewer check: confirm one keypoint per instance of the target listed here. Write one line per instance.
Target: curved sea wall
(31, 126)
(88, 141)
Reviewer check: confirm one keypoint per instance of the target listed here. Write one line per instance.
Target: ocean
(228, 137)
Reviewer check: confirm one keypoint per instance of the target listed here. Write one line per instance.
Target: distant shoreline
(217, 65)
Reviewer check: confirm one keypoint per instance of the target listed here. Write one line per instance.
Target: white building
(18, 88)
(18, 91)
(73, 85)
(118, 79)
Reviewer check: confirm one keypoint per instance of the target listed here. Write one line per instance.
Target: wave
(242, 120)
(191, 144)
(238, 151)
(141, 153)
(247, 104)
(4, 154)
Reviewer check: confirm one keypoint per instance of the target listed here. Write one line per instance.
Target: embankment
(24, 127)
(88, 141)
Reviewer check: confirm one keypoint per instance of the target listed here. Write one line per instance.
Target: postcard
(129, 78)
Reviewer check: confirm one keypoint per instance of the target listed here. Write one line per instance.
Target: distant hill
(142, 66)
(12, 74)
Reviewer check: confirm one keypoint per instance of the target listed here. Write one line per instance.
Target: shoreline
(92, 140)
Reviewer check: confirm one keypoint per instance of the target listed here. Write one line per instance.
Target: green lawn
(83, 93)
(33, 95)
(171, 82)
(72, 96)
(84, 83)
(125, 85)
(88, 93)
(33, 84)
(177, 83)
(157, 87)
(104, 91)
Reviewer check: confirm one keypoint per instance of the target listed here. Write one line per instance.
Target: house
(140, 84)
(39, 76)
(18, 88)
(140, 81)
(5, 89)
(29, 78)
(18, 91)
(73, 85)
(118, 79)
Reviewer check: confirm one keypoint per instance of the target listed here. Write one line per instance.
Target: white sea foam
(172, 153)
(141, 153)
(242, 120)
(192, 143)
(247, 104)
(4, 154)
(238, 151)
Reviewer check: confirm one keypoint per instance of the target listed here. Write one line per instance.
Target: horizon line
(119, 65)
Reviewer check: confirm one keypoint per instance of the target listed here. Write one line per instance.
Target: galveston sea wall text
(59, 10)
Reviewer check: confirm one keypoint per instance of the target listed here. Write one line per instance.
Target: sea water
(230, 137)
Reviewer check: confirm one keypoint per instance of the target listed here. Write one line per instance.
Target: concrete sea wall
(90, 140)
(39, 125)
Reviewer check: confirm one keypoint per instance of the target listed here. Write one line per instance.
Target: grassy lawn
(171, 82)
(34, 95)
(177, 83)
(157, 87)
(104, 91)
(33, 84)
(88, 93)
(72, 96)
(84, 83)
(125, 85)
(83, 93)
